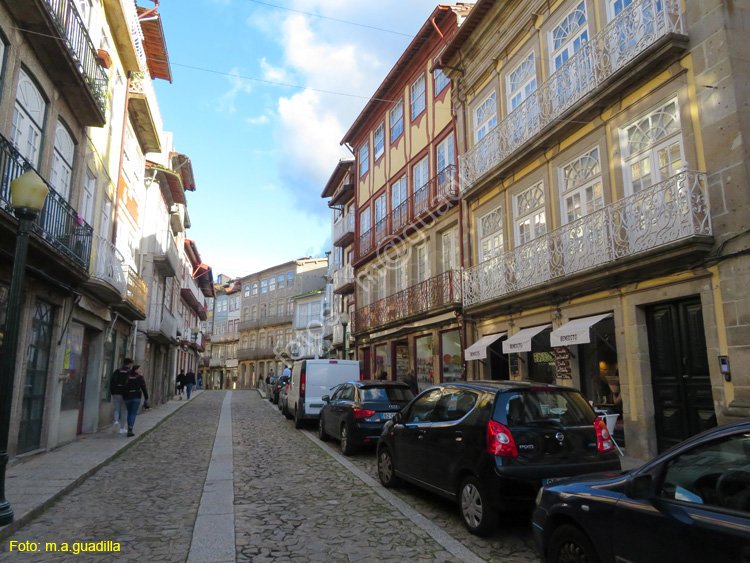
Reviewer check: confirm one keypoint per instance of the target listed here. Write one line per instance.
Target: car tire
(297, 419)
(285, 411)
(477, 514)
(570, 544)
(322, 435)
(348, 447)
(387, 469)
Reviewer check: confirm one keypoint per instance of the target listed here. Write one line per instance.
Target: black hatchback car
(690, 504)
(357, 410)
(281, 382)
(491, 445)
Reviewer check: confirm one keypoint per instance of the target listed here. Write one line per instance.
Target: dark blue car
(690, 504)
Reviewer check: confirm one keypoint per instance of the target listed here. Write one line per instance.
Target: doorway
(683, 402)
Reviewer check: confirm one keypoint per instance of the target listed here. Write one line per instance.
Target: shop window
(424, 361)
(582, 186)
(451, 361)
(402, 360)
(541, 359)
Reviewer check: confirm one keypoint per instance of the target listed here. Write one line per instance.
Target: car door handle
(420, 434)
(459, 435)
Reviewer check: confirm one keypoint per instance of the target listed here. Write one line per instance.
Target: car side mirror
(640, 487)
(326, 398)
(398, 418)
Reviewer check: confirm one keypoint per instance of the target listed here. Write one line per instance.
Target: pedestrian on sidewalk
(411, 381)
(181, 378)
(200, 380)
(135, 385)
(189, 382)
(116, 387)
(383, 376)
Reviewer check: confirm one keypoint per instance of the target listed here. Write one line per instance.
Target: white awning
(521, 341)
(576, 331)
(478, 350)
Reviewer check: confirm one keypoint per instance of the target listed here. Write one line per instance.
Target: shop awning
(478, 350)
(521, 341)
(576, 331)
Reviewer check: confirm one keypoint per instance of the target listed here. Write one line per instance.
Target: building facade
(603, 183)
(310, 315)
(406, 251)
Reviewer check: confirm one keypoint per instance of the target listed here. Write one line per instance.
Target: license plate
(552, 480)
(388, 415)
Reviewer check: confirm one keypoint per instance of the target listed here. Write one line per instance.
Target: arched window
(254, 313)
(28, 119)
(62, 161)
(255, 288)
(245, 314)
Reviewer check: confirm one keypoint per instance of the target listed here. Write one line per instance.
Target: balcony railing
(166, 256)
(216, 362)
(58, 223)
(343, 227)
(226, 337)
(255, 353)
(276, 320)
(108, 264)
(667, 212)
(439, 191)
(248, 324)
(436, 292)
(141, 83)
(631, 33)
(343, 277)
(70, 26)
(164, 322)
(136, 290)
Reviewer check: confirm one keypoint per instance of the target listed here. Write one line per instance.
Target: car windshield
(568, 408)
(386, 393)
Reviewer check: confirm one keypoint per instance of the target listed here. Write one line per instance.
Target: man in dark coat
(116, 386)
(189, 382)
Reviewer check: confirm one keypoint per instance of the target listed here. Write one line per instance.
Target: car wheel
(348, 447)
(386, 469)
(297, 419)
(285, 411)
(568, 544)
(322, 436)
(478, 516)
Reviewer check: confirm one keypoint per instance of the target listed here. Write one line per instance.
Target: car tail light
(360, 414)
(500, 441)
(302, 380)
(604, 442)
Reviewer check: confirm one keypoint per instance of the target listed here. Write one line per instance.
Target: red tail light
(360, 414)
(500, 440)
(302, 379)
(604, 442)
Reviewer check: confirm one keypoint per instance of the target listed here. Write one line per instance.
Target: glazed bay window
(451, 250)
(379, 141)
(399, 209)
(28, 119)
(397, 120)
(529, 214)
(652, 148)
(89, 193)
(62, 161)
(381, 284)
(582, 186)
(491, 234)
(521, 82)
(423, 263)
(420, 181)
(417, 97)
(485, 117)
(263, 286)
(364, 159)
(380, 215)
(401, 274)
(272, 284)
(569, 36)
(441, 81)
(445, 156)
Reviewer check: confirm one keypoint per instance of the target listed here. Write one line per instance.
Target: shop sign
(563, 369)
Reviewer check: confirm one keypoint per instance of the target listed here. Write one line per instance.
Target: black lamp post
(344, 318)
(27, 195)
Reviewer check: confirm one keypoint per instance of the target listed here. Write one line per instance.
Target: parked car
(281, 382)
(311, 379)
(490, 445)
(283, 400)
(357, 410)
(689, 504)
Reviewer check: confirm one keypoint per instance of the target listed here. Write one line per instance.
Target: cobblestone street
(295, 499)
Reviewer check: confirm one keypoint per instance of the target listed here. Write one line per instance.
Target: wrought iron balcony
(148, 123)
(164, 250)
(273, 320)
(216, 362)
(136, 292)
(226, 337)
(633, 32)
(343, 230)
(424, 205)
(107, 279)
(255, 353)
(162, 325)
(59, 225)
(430, 295)
(343, 280)
(674, 210)
(204, 361)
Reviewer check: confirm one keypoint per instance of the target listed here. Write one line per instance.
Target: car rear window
(528, 406)
(386, 393)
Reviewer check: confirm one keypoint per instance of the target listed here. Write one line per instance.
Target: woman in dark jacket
(134, 386)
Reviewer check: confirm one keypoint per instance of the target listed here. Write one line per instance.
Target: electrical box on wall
(724, 367)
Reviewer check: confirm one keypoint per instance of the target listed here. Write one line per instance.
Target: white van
(311, 380)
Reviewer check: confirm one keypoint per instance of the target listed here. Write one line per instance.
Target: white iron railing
(672, 210)
(108, 264)
(343, 277)
(343, 226)
(631, 33)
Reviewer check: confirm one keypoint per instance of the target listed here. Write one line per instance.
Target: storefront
(401, 354)
(451, 362)
(532, 357)
(424, 361)
(381, 360)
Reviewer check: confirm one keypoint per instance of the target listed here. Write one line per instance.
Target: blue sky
(262, 153)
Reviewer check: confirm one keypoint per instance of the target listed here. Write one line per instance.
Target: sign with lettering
(563, 369)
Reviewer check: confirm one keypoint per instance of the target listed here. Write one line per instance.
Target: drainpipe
(150, 12)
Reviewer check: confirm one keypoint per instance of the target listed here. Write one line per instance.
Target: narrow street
(294, 499)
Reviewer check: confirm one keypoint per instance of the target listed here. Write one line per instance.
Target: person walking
(135, 385)
(116, 387)
(180, 383)
(411, 381)
(189, 382)
(383, 376)
(287, 371)
(200, 380)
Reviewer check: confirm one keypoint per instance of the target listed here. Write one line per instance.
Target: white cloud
(260, 120)
(273, 73)
(226, 103)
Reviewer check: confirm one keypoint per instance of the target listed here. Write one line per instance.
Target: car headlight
(539, 494)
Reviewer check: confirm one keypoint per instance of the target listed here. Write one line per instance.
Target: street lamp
(27, 195)
(344, 318)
